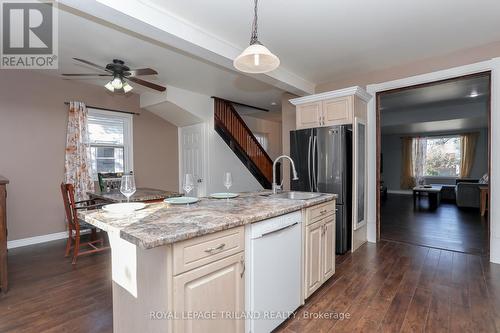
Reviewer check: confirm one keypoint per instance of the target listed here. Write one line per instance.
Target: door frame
(492, 66)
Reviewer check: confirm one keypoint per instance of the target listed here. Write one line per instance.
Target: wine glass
(127, 187)
(188, 184)
(228, 180)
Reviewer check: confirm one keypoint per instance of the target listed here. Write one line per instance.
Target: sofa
(467, 193)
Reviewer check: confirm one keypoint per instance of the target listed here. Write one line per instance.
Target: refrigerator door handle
(314, 175)
(309, 164)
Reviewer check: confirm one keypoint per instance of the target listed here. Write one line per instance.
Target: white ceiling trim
(146, 19)
(355, 90)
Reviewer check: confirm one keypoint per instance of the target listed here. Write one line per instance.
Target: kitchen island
(169, 262)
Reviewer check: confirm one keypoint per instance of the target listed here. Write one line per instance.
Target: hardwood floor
(387, 287)
(447, 227)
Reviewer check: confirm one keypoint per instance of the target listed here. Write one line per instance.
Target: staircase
(240, 139)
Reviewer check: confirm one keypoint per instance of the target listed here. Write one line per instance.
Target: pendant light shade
(256, 58)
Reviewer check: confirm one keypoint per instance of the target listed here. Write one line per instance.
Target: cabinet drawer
(318, 212)
(202, 250)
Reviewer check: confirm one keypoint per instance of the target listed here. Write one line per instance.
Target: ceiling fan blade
(147, 84)
(91, 64)
(142, 71)
(86, 74)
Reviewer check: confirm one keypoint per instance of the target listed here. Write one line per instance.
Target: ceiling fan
(120, 74)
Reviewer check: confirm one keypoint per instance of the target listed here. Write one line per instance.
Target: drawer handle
(323, 211)
(217, 248)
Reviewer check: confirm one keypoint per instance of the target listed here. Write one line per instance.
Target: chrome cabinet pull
(217, 248)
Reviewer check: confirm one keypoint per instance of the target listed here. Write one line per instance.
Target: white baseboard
(39, 239)
(405, 192)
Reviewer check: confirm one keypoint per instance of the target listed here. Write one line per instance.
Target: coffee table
(433, 192)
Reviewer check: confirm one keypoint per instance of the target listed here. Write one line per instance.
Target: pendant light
(256, 58)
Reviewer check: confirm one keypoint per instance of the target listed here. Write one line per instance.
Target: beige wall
(271, 128)
(458, 58)
(33, 120)
(156, 152)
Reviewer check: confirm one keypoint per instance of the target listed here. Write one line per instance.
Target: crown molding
(356, 90)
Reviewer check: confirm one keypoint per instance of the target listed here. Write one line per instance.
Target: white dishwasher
(274, 265)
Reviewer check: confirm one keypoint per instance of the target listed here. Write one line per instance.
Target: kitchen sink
(296, 195)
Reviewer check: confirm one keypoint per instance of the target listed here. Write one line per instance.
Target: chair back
(68, 194)
(111, 180)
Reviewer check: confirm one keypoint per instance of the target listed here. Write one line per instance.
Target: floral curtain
(77, 168)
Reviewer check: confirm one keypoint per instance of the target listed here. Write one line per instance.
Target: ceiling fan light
(117, 83)
(109, 86)
(127, 87)
(256, 59)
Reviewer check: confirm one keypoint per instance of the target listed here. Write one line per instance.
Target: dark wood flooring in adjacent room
(387, 287)
(447, 227)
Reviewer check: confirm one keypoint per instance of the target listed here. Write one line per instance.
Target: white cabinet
(319, 247)
(325, 113)
(211, 290)
(309, 115)
(330, 108)
(337, 111)
(209, 279)
(314, 249)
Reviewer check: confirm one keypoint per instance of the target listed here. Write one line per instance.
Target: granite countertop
(161, 223)
(142, 194)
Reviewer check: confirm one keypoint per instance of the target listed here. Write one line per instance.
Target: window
(110, 135)
(442, 156)
(263, 139)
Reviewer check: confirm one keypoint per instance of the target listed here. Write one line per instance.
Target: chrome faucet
(277, 187)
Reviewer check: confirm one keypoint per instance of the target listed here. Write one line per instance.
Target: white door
(191, 159)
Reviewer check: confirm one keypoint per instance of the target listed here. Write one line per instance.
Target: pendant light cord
(254, 39)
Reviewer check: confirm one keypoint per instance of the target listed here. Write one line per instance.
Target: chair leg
(93, 234)
(68, 244)
(76, 247)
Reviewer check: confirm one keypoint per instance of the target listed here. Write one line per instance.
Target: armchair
(467, 194)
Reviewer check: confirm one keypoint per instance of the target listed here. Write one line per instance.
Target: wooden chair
(75, 225)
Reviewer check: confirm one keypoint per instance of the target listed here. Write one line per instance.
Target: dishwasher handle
(278, 230)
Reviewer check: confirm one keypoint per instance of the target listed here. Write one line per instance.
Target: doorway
(192, 160)
(433, 125)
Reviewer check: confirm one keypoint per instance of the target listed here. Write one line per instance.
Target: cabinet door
(329, 248)
(313, 273)
(212, 288)
(337, 111)
(308, 115)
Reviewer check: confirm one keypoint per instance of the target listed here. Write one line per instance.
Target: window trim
(128, 135)
(440, 137)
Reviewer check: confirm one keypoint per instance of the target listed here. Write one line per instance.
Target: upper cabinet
(330, 108)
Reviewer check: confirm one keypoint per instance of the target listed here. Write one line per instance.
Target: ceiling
(456, 105)
(459, 91)
(191, 43)
(323, 40)
(90, 39)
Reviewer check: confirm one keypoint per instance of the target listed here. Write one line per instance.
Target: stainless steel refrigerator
(323, 159)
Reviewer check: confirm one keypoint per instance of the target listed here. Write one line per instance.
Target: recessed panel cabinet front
(329, 248)
(337, 111)
(319, 248)
(314, 239)
(309, 115)
(210, 290)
